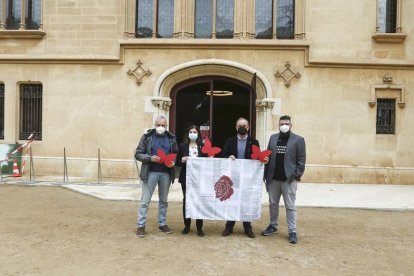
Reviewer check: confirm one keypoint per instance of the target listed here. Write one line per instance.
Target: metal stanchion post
(99, 167)
(32, 171)
(65, 167)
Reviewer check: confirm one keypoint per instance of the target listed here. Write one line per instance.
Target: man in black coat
(239, 146)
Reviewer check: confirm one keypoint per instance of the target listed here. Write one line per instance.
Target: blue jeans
(288, 191)
(162, 179)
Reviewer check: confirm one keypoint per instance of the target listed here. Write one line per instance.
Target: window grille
(144, 24)
(203, 19)
(385, 116)
(225, 19)
(30, 111)
(165, 18)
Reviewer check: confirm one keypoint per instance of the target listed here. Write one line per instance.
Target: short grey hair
(161, 117)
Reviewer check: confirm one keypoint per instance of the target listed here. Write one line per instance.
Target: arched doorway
(214, 103)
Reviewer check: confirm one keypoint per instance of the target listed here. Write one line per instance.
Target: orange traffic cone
(16, 172)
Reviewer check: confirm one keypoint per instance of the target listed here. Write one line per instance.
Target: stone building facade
(104, 69)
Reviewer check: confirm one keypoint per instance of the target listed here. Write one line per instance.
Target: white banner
(224, 189)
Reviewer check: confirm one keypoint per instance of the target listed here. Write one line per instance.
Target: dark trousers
(187, 221)
(247, 225)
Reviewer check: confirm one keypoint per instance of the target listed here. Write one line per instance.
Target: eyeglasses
(160, 125)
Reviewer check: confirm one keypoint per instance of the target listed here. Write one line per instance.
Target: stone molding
(287, 74)
(387, 84)
(162, 103)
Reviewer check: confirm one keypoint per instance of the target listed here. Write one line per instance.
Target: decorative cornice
(262, 105)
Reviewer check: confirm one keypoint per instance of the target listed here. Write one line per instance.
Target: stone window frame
(22, 32)
(393, 123)
(244, 19)
(398, 36)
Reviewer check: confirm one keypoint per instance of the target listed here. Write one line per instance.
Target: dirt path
(54, 231)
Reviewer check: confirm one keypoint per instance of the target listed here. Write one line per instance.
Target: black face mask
(242, 130)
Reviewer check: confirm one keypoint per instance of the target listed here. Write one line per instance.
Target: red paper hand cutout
(209, 150)
(167, 160)
(259, 155)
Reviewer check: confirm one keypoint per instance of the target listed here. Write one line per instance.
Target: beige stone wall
(90, 101)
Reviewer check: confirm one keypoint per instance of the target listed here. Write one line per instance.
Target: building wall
(90, 101)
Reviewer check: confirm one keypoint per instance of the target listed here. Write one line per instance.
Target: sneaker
(165, 229)
(250, 234)
(226, 232)
(141, 232)
(292, 238)
(270, 230)
(186, 230)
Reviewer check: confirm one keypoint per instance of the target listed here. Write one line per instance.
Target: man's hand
(232, 157)
(155, 158)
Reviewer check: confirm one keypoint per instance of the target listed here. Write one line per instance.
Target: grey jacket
(294, 161)
(143, 153)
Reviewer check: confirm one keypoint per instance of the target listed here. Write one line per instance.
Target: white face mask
(160, 130)
(284, 128)
(192, 136)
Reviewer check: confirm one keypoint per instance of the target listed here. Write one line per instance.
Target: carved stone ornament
(138, 72)
(162, 103)
(287, 74)
(262, 105)
(387, 84)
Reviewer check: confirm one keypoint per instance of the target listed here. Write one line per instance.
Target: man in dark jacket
(239, 146)
(153, 173)
(285, 168)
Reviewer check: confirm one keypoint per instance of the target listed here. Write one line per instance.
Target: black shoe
(250, 234)
(226, 232)
(292, 238)
(270, 230)
(200, 233)
(141, 232)
(165, 229)
(186, 230)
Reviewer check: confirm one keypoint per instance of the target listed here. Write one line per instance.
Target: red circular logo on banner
(223, 188)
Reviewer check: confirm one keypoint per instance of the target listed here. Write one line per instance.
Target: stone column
(22, 15)
(213, 29)
(179, 18)
(130, 14)
(263, 119)
(3, 16)
(239, 18)
(250, 12)
(299, 19)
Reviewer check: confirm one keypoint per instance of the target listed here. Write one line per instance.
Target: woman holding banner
(190, 148)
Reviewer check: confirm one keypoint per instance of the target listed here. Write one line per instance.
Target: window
(225, 19)
(30, 111)
(164, 18)
(1, 110)
(13, 19)
(385, 116)
(285, 19)
(387, 16)
(203, 19)
(264, 18)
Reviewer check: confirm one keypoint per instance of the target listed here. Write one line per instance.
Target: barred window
(1, 110)
(264, 18)
(225, 19)
(16, 20)
(285, 19)
(203, 25)
(385, 116)
(30, 111)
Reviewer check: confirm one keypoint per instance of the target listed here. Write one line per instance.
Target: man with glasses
(153, 173)
(284, 169)
(239, 146)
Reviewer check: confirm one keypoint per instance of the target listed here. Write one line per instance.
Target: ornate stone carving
(262, 105)
(162, 103)
(387, 84)
(287, 74)
(138, 72)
